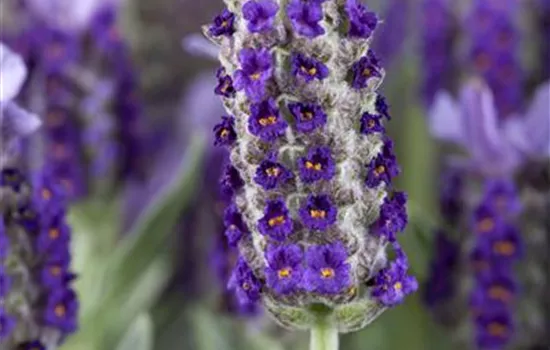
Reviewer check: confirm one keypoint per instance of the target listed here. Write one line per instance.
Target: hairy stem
(323, 337)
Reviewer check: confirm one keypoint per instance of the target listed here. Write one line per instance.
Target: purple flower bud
(371, 123)
(225, 131)
(256, 70)
(225, 84)
(235, 227)
(317, 165)
(244, 282)
(260, 15)
(383, 168)
(284, 268)
(276, 222)
(393, 217)
(32, 345)
(230, 182)
(308, 68)
(265, 121)
(362, 22)
(494, 291)
(365, 69)
(327, 271)
(392, 284)
(308, 117)
(223, 24)
(271, 174)
(318, 213)
(494, 329)
(305, 17)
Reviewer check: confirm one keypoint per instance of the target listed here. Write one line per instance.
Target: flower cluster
(38, 306)
(438, 36)
(310, 181)
(498, 245)
(494, 43)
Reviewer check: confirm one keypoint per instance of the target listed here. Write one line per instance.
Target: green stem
(323, 337)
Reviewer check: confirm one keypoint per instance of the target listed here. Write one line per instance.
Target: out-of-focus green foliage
(121, 277)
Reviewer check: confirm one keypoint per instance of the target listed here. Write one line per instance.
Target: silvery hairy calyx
(313, 209)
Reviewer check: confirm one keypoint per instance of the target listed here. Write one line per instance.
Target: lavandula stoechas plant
(38, 307)
(494, 40)
(497, 150)
(313, 206)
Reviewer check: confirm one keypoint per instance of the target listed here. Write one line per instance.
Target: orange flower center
(284, 273)
(327, 272)
(317, 214)
(311, 165)
(268, 120)
(278, 220)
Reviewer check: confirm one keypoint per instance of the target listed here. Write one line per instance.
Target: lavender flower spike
(315, 166)
(38, 307)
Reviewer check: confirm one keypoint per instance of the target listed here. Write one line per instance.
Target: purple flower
(54, 273)
(530, 133)
(486, 220)
(225, 131)
(371, 123)
(363, 70)
(317, 165)
(493, 291)
(305, 17)
(318, 213)
(12, 178)
(393, 217)
(55, 233)
(504, 196)
(260, 15)
(362, 22)
(276, 222)
(327, 271)
(265, 121)
(256, 70)
(223, 24)
(506, 246)
(5, 280)
(392, 284)
(389, 43)
(230, 181)
(473, 124)
(494, 329)
(32, 345)
(245, 284)
(308, 68)
(308, 116)
(225, 86)
(7, 324)
(382, 107)
(235, 228)
(62, 310)
(284, 268)
(383, 168)
(270, 174)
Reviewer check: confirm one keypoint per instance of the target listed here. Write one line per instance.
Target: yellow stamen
(46, 194)
(317, 214)
(60, 310)
(379, 170)
(55, 270)
(255, 76)
(268, 120)
(278, 220)
(284, 273)
(307, 115)
(504, 248)
(327, 272)
(398, 286)
(310, 165)
(497, 330)
(53, 233)
(500, 293)
(486, 225)
(273, 172)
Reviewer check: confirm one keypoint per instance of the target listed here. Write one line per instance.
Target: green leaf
(139, 336)
(149, 238)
